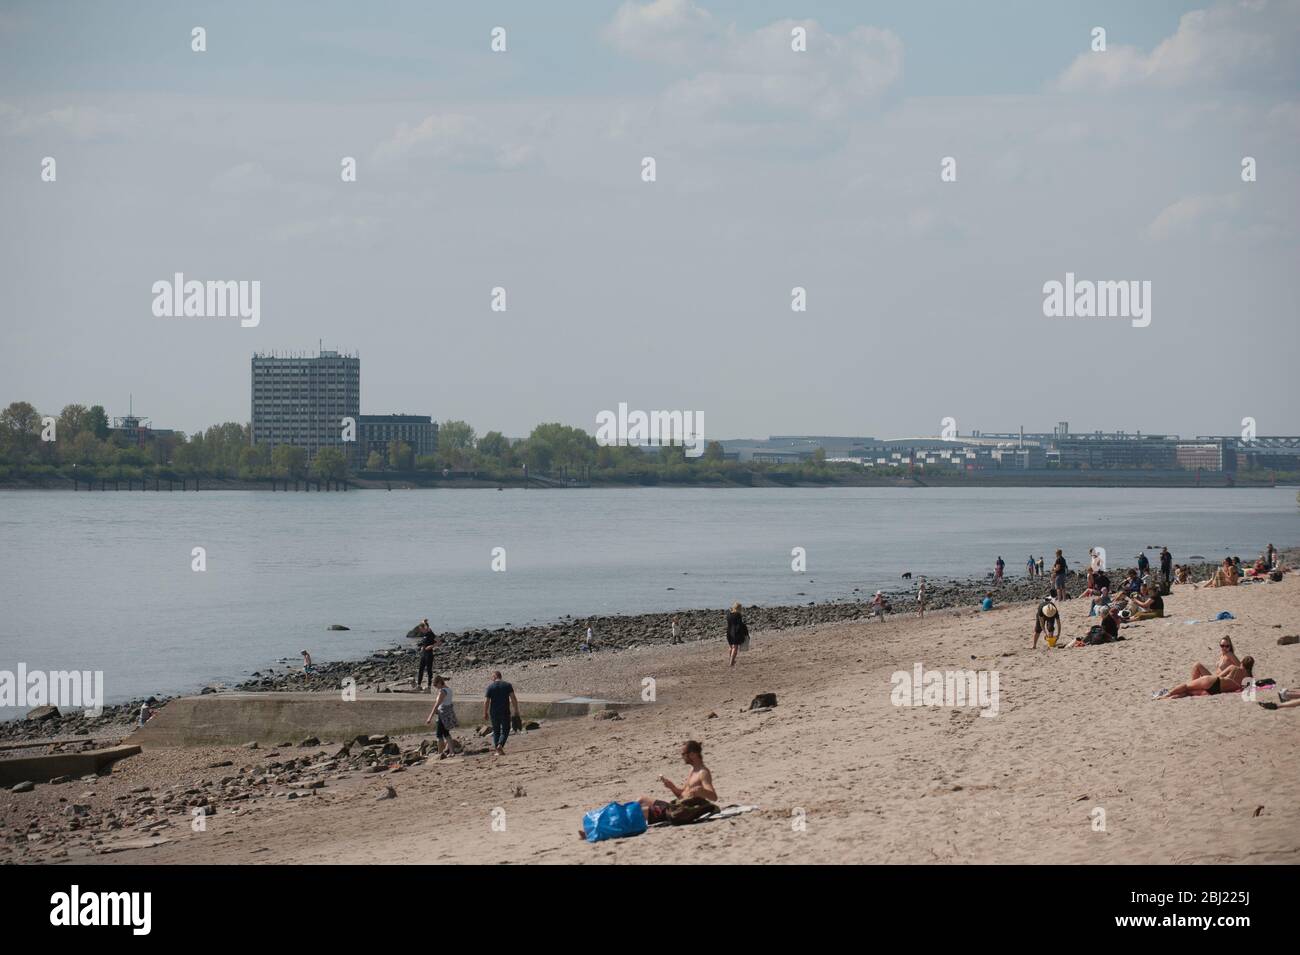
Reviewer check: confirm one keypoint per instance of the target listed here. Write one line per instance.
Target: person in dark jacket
(737, 632)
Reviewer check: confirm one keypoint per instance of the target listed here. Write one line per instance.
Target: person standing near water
(427, 642)
(676, 635)
(1059, 570)
(920, 598)
(1001, 566)
(1032, 566)
(737, 632)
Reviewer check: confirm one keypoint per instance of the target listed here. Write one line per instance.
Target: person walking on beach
(587, 643)
(428, 641)
(1042, 564)
(737, 632)
(1032, 566)
(1001, 566)
(498, 701)
(445, 714)
(676, 635)
(306, 662)
(879, 605)
(1059, 570)
(920, 598)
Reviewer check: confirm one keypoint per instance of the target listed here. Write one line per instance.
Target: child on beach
(920, 598)
(879, 605)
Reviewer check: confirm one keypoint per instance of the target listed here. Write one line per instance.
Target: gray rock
(42, 713)
(24, 787)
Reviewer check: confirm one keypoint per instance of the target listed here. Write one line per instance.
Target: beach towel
(614, 821)
(727, 812)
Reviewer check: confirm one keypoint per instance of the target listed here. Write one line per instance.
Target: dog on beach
(908, 575)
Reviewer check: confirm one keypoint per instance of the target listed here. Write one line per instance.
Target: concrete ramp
(41, 769)
(235, 718)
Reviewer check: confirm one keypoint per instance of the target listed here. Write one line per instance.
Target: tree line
(85, 447)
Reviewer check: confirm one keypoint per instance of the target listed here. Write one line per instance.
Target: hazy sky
(775, 169)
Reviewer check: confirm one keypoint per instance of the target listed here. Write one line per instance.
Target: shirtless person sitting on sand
(698, 784)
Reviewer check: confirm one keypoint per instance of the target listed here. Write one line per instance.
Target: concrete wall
(41, 769)
(236, 718)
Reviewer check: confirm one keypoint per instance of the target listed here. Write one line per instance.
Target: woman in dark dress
(737, 632)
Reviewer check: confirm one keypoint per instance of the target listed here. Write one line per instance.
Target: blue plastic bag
(614, 821)
(1224, 615)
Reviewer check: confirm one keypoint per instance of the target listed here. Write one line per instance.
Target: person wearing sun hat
(1047, 622)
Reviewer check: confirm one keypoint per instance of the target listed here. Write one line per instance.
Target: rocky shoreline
(506, 646)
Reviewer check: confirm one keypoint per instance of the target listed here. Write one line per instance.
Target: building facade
(302, 401)
(376, 431)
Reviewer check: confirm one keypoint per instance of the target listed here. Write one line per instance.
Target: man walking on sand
(676, 634)
(498, 701)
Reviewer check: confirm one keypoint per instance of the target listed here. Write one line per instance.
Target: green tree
(375, 462)
(20, 431)
(495, 447)
(455, 444)
(97, 422)
(288, 461)
(330, 464)
(400, 455)
(73, 420)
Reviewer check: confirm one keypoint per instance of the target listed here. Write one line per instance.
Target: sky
(774, 169)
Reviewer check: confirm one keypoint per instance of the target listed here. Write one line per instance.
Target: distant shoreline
(1081, 479)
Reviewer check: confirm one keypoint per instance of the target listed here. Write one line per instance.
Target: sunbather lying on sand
(1230, 680)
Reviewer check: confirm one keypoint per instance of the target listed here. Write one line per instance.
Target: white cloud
(247, 178)
(80, 123)
(665, 31)
(752, 74)
(1247, 43)
(462, 140)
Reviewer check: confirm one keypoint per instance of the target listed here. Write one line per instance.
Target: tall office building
(302, 401)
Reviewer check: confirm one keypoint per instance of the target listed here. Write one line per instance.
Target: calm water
(103, 580)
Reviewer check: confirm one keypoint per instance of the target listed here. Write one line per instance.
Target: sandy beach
(840, 774)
